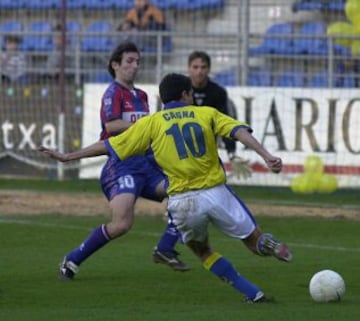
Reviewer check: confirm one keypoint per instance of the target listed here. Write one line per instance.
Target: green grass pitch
(120, 282)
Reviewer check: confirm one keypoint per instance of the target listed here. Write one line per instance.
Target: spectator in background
(145, 16)
(12, 62)
(53, 61)
(128, 32)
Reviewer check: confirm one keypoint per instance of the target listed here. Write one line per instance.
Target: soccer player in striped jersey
(123, 182)
(182, 137)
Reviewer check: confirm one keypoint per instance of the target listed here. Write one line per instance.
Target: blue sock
(96, 240)
(168, 239)
(223, 269)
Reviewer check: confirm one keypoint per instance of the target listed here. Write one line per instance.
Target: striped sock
(96, 240)
(223, 269)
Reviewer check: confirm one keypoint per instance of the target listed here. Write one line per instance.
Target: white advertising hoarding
(292, 123)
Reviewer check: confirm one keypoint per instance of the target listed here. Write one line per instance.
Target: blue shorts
(135, 175)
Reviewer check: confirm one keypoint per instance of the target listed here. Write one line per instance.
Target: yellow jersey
(183, 140)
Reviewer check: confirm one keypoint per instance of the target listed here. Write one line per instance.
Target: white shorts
(192, 211)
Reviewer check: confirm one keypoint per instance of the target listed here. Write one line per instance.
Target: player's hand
(53, 154)
(274, 164)
(241, 167)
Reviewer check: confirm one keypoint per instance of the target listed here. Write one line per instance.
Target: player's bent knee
(117, 229)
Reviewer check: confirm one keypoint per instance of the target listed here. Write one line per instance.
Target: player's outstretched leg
(165, 252)
(268, 245)
(69, 266)
(224, 270)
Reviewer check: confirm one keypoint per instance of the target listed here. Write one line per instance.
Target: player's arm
(244, 136)
(117, 126)
(93, 150)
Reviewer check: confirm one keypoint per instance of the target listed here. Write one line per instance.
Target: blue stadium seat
(164, 4)
(167, 46)
(315, 41)
(12, 4)
(309, 5)
(101, 42)
(258, 77)
(100, 77)
(42, 4)
(290, 78)
(188, 4)
(73, 27)
(226, 77)
(38, 42)
(75, 4)
(11, 26)
(319, 80)
(277, 40)
(336, 5)
(99, 4)
(347, 81)
(124, 4)
(198, 4)
(342, 51)
(213, 4)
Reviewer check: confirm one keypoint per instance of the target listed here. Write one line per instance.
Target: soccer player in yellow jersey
(183, 139)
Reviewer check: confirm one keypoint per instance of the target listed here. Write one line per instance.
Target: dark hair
(117, 54)
(172, 86)
(13, 38)
(199, 54)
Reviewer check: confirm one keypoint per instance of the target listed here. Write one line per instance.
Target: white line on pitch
(73, 227)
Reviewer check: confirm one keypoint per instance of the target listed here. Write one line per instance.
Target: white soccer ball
(327, 286)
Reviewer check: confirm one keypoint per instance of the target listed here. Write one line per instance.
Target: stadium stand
(40, 38)
(290, 78)
(12, 4)
(226, 77)
(308, 5)
(320, 80)
(324, 5)
(347, 81)
(42, 4)
(259, 77)
(10, 27)
(99, 4)
(76, 4)
(336, 5)
(281, 44)
(314, 41)
(98, 38)
(278, 39)
(164, 4)
(199, 4)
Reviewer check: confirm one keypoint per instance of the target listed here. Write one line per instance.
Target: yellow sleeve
(226, 126)
(134, 141)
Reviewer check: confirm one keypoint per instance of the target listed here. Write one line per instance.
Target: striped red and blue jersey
(118, 102)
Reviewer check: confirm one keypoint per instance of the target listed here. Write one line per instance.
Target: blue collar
(175, 104)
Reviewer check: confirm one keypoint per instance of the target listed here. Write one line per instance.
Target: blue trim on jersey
(111, 150)
(175, 104)
(232, 133)
(242, 204)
